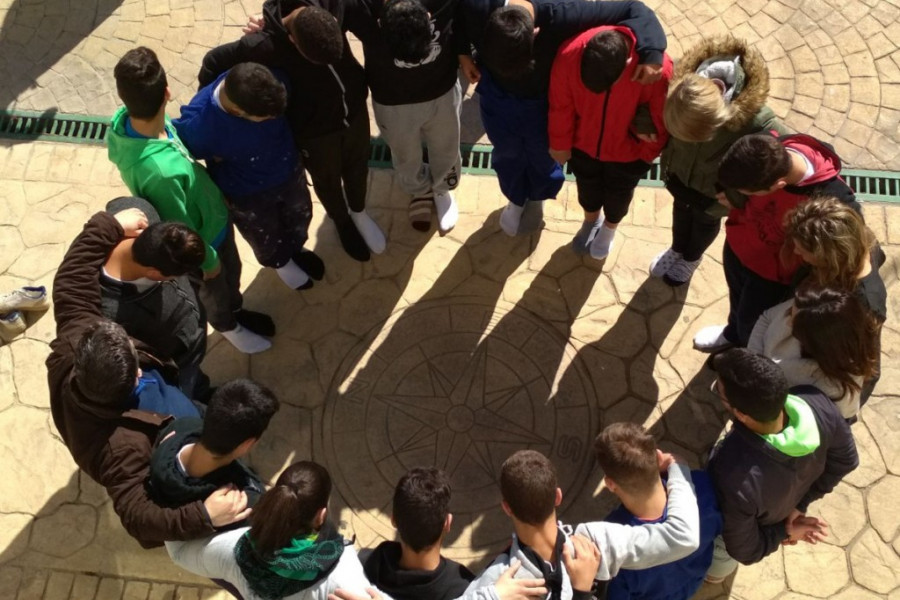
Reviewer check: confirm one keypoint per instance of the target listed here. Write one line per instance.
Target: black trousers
(693, 229)
(338, 164)
(606, 185)
(221, 295)
(749, 295)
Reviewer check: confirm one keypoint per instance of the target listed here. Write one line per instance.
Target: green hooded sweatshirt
(163, 172)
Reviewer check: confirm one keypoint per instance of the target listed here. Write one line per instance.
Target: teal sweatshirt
(163, 172)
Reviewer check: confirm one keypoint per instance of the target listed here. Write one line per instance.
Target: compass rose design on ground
(461, 385)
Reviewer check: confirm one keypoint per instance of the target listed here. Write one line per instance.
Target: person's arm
(746, 540)
(575, 16)
(76, 288)
(756, 342)
(124, 472)
(561, 118)
(220, 59)
(168, 196)
(654, 544)
(211, 557)
(841, 458)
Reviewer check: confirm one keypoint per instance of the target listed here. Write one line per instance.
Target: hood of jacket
(825, 161)
(800, 436)
(382, 568)
(752, 97)
(126, 151)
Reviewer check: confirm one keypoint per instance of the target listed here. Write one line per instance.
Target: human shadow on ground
(401, 398)
(36, 35)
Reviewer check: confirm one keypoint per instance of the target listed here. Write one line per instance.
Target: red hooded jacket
(600, 125)
(755, 232)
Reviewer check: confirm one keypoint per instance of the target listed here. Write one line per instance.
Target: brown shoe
(420, 210)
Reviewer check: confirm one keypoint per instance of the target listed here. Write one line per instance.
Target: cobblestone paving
(475, 327)
(835, 64)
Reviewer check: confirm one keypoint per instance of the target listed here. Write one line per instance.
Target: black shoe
(353, 242)
(258, 323)
(311, 264)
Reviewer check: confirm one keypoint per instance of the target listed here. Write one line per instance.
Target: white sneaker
(11, 325)
(246, 341)
(447, 211)
(510, 218)
(602, 243)
(663, 261)
(25, 298)
(711, 339)
(680, 272)
(369, 230)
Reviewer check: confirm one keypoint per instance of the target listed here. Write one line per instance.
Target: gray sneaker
(663, 261)
(581, 244)
(681, 271)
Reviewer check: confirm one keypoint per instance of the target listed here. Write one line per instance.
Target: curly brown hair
(835, 235)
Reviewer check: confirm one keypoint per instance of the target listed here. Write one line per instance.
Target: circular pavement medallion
(460, 384)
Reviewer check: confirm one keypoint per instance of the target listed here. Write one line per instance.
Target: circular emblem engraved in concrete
(459, 384)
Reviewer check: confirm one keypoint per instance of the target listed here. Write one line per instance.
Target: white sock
(447, 211)
(603, 242)
(369, 231)
(246, 341)
(510, 218)
(292, 275)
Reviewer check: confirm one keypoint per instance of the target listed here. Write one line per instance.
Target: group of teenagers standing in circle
(559, 82)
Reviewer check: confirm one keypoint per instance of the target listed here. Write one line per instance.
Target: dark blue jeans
(749, 295)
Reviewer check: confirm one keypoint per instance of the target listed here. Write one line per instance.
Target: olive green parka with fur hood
(696, 164)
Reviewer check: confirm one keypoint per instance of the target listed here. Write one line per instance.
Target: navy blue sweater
(678, 580)
(243, 157)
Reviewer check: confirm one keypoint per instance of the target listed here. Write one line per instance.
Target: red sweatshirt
(600, 125)
(756, 232)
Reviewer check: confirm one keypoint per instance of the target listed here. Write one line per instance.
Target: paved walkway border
(51, 126)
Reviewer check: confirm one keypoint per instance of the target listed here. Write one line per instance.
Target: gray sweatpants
(436, 123)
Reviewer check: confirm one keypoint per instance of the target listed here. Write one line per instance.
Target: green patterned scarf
(306, 561)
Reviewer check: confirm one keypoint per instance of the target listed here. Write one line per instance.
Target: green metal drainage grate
(50, 126)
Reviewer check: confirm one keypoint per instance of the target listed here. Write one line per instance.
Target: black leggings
(693, 229)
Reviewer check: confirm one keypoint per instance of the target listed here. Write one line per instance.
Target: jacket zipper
(343, 95)
(603, 122)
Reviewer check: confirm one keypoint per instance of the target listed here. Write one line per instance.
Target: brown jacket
(111, 444)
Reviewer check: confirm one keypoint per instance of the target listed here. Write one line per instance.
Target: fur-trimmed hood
(756, 87)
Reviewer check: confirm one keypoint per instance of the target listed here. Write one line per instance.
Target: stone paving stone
(84, 586)
(875, 565)
(110, 589)
(884, 512)
(819, 570)
(59, 585)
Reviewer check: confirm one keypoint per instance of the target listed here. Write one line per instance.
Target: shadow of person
(36, 35)
(399, 400)
(471, 129)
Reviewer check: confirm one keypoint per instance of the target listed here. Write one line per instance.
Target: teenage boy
(413, 568)
(777, 174)
(411, 68)
(98, 403)
(627, 455)
(608, 145)
(327, 114)
(513, 75)
(530, 493)
(194, 457)
(145, 288)
(156, 166)
(787, 449)
(237, 125)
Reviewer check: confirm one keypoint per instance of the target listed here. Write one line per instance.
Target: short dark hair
(627, 455)
(318, 36)
(753, 383)
(238, 411)
(106, 364)
(173, 249)
(287, 510)
(508, 42)
(406, 27)
(528, 486)
(754, 163)
(141, 82)
(604, 59)
(255, 90)
(421, 506)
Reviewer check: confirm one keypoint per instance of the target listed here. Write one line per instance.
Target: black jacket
(394, 82)
(758, 486)
(323, 99)
(448, 581)
(558, 20)
(171, 487)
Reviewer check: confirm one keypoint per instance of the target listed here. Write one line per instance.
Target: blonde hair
(695, 109)
(835, 235)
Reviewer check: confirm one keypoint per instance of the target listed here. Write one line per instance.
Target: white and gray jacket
(621, 546)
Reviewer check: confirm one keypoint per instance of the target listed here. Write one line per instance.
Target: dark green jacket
(696, 164)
